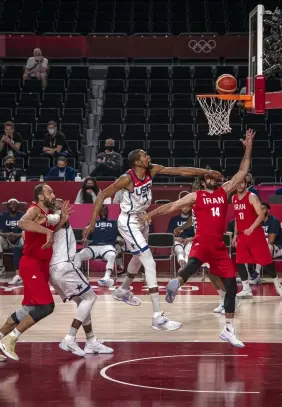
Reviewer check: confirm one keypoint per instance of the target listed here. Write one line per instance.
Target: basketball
(226, 84)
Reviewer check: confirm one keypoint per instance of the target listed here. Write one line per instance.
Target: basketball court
(191, 366)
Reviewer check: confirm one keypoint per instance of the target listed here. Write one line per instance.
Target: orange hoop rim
(246, 98)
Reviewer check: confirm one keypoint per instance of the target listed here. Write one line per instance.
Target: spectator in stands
(10, 142)
(89, 192)
(250, 184)
(102, 244)
(183, 242)
(11, 236)
(273, 234)
(109, 162)
(36, 67)
(55, 143)
(62, 170)
(9, 172)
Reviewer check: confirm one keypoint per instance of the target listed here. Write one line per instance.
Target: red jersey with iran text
(251, 248)
(33, 241)
(210, 211)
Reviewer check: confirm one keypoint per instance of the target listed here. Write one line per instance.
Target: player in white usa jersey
(136, 198)
(71, 285)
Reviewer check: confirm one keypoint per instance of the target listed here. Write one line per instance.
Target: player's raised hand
(215, 174)
(49, 240)
(66, 210)
(86, 231)
(250, 134)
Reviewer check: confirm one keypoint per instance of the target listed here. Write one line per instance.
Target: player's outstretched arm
(124, 182)
(28, 223)
(184, 171)
(253, 199)
(231, 185)
(187, 200)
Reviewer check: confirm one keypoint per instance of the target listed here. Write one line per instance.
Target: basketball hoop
(217, 109)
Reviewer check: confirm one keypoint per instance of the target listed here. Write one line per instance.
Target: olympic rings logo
(202, 46)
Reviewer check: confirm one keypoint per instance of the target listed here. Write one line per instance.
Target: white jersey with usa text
(64, 246)
(140, 198)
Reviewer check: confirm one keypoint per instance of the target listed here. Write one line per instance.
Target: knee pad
(42, 311)
(231, 290)
(190, 268)
(19, 315)
(85, 306)
(149, 265)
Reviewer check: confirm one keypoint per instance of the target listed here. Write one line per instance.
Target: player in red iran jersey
(38, 301)
(249, 238)
(210, 207)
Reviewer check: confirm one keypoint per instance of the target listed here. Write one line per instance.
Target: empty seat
(77, 86)
(182, 100)
(134, 131)
(158, 116)
(55, 86)
(8, 100)
(159, 72)
(136, 100)
(184, 162)
(135, 116)
(213, 162)
(79, 72)
(58, 72)
(112, 116)
(187, 150)
(133, 145)
(209, 148)
(182, 116)
(159, 100)
(25, 115)
(10, 85)
(48, 114)
(232, 148)
(183, 132)
(181, 72)
(138, 72)
(29, 100)
(13, 72)
(181, 86)
(137, 86)
(110, 131)
(116, 72)
(158, 132)
(52, 100)
(73, 115)
(115, 86)
(159, 86)
(112, 100)
(75, 100)
(203, 71)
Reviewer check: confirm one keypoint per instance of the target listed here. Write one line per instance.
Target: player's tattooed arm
(253, 199)
(187, 200)
(124, 182)
(231, 185)
(184, 171)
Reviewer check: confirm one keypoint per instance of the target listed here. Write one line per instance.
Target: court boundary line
(150, 341)
(105, 375)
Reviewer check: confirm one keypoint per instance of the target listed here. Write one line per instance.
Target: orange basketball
(226, 84)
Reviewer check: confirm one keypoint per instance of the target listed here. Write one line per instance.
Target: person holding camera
(36, 67)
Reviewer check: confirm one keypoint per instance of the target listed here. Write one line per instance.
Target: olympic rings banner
(119, 46)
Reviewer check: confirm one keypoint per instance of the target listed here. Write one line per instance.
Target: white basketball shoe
(230, 336)
(15, 280)
(97, 347)
(71, 346)
(162, 323)
(126, 296)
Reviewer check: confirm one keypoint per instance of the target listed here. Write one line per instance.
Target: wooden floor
(191, 366)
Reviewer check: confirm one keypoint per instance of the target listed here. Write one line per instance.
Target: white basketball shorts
(68, 280)
(100, 251)
(134, 233)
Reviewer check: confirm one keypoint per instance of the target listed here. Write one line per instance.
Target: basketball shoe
(8, 346)
(247, 293)
(97, 346)
(126, 296)
(70, 345)
(162, 323)
(15, 280)
(171, 290)
(109, 282)
(230, 336)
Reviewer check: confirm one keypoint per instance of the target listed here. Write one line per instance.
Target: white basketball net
(217, 112)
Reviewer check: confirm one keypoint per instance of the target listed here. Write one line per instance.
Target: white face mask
(51, 131)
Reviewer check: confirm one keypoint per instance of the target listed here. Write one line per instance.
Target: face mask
(51, 131)
(9, 166)
(62, 168)
(110, 148)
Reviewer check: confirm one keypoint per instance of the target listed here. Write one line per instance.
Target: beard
(49, 204)
(212, 187)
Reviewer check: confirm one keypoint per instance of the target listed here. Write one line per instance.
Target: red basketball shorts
(253, 249)
(35, 275)
(214, 252)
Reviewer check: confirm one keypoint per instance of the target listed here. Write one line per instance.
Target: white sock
(276, 282)
(126, 283)
(221, 294)
(90, 337)
(229, 324)
(246, 285)
(15, 333)
(71, 334)
(1, 336)
(119, 262)
(155, 298)
(107, 274)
